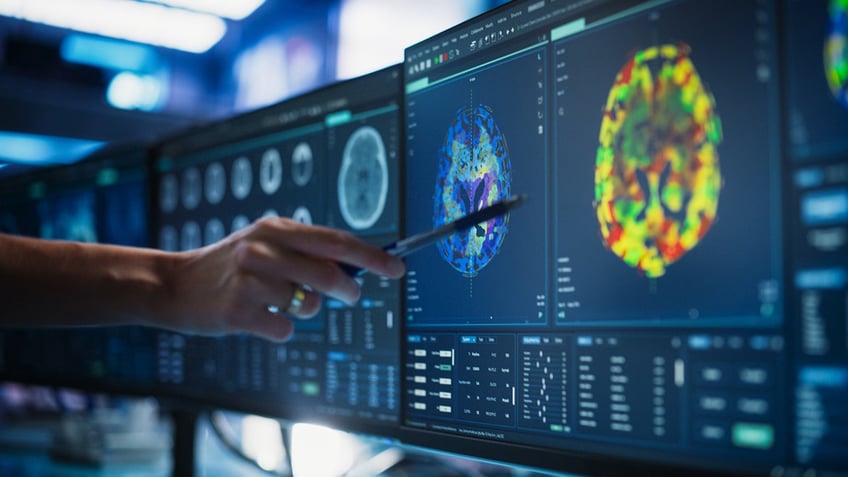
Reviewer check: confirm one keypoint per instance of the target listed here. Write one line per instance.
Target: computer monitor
(672, 295)
(327, 157)
(102, 199)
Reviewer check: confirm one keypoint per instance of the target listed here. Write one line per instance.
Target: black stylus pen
(416, 242)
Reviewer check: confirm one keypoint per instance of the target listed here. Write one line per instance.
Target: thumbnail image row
(190, 236)
(189, 192)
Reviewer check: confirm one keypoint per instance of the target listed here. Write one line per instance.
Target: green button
(338, 118)
(311, 388)
(753, 436)
(556, 428)
(107, 177)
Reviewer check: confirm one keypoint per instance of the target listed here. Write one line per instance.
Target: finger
(279, 264)
(255, 296)
(269, 325)
(279, 293)
(332, 244)
(305, 303)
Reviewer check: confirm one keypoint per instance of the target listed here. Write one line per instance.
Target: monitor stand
(183, 454)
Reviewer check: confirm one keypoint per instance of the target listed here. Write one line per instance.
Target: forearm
(69, 283)
(226, 287)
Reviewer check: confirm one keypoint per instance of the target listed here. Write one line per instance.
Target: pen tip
(519, 198)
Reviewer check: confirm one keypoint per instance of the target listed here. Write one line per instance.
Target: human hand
(230, 285)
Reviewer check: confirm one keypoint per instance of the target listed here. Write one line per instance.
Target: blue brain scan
(474, 172)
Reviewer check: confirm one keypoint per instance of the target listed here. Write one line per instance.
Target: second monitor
(329, 157)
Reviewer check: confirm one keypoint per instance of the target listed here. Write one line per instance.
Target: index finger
(332, 244)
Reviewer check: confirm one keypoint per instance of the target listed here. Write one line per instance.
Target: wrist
(161, 304)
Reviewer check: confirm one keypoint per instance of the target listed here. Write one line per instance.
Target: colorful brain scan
(474, 172)
(657, 178)
(836, 51)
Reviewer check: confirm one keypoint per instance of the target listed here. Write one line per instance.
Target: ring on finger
(297, 299)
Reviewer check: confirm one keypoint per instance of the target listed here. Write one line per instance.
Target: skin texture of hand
(229, 285)
(222, 288)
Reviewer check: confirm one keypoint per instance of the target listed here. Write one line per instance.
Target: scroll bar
(679, 373)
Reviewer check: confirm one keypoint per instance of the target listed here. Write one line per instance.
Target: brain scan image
(241, 178)
(168, 239)
(215, 183)
(270, 171)
(301, 164)
(302, 215)
(191, 188)
(190, 236)
(836, 51)
(657, 177)
(239, 222)
(168, 193)
(474, 172)
(213, 232)
(363, 179)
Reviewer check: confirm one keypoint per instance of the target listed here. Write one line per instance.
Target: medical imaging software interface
(102, 199)
(674, 287)
(329, 157)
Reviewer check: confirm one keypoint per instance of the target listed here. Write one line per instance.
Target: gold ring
(297, 299)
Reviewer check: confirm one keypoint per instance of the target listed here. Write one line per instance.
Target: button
(712, 432)
(752, 406)
(753, 435)
(712, 373)
(311, 388)
(754, 375)
(711, 403)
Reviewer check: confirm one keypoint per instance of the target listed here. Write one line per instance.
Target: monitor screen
(328, 157)
(673, 291)
(100, 199)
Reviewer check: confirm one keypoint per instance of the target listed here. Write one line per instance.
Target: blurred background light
(130, 70)
(262, 441)
(275, 68)
(365, 26)
(36, 149)
(131, 91)
(109, 53)
(232, 9)
(318, 451)
(135, 21)
(260, 73)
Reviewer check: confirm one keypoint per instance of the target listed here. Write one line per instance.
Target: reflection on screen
(68, 216)
(100, 199)
(642, 304)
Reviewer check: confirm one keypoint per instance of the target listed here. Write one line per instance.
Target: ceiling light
(232, 9)
(109, 53)
(130, 91)
(135, 21)
(37, 149)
